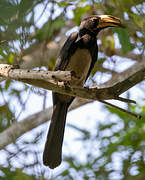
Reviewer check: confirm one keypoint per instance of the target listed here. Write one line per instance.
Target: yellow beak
(109, 21)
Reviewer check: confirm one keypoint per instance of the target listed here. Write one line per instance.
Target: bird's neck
(84, 31)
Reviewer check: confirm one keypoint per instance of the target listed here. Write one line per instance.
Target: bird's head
(96, 23)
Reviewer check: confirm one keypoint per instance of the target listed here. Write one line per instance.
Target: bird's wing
(65, 52)
(94, 55)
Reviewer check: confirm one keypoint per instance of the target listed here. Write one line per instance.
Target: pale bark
(111, 90)
(9, 71)
(17, 129)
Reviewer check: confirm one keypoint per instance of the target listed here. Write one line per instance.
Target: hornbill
(78, 54)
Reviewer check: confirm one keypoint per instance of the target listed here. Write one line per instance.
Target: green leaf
(124, 40)
(139, 20)
(11, 58)
(6, 116)
(109, 42)
(7, 84)
(15, 174)
(7, 10)
(24, 6)
(119, 113)
(49, 28)
(109, 9)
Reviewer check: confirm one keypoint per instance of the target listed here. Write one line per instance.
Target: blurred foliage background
(31, 34)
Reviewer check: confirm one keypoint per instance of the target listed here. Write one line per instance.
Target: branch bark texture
(111, 90)
(9, 71)
(17, 129)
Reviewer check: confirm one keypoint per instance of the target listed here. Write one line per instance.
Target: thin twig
(42, 12)
(123, 110)
(125, 100)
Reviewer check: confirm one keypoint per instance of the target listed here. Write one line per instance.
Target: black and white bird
(78, 54)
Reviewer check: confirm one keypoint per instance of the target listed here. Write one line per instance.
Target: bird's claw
(86, 88)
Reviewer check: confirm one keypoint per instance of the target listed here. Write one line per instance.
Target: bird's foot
(74, 75)
(16, 66)
(87, 88)
(60, 83)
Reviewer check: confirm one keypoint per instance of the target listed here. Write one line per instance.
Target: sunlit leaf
(139, 21)
(11, 58)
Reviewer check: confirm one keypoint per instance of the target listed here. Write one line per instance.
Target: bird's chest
(79, 63)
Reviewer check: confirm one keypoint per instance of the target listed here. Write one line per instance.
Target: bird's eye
(95, 22)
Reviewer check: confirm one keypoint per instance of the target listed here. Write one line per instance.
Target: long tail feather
(53, 147)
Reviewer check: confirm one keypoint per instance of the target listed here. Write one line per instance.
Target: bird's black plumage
(79, 55)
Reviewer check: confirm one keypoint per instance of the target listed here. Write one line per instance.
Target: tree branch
(17, 129)
(8, 71)
(111, 90)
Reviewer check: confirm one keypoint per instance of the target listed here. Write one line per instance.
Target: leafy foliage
(117, 146)
(123, 146)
